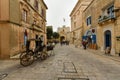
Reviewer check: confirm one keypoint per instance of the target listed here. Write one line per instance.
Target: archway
(107, 40)
(62, 38)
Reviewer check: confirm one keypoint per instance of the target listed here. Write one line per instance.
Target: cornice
(79, 6)
(75, 7)
(44, 4)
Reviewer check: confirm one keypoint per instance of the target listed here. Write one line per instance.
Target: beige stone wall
(4, 10)
(117, 26)
(63, 31)
(15, 39)
(77, 37)
(14, 11)
(12, 32)
(117, 31)
(117, 3)
(95, 10)
(100, 37)
(68, 36)
(77, 20)
(0, 45)
(11, 40)
(5, 50)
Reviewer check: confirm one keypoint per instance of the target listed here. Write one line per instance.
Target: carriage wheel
(27, 58)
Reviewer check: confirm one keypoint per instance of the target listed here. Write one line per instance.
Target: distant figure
(39, 46)
(67, 42)
(107, 50)
(84, 43)
(61, 43)
(53, 44)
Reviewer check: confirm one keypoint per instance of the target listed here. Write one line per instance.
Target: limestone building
(20, 20)
(64, 33)
(77, 21)
(99, 21)
(102, 23)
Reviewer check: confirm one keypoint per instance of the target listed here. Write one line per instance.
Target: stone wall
(4, 10)
(95, 9)
(5, 44)
(15, 11)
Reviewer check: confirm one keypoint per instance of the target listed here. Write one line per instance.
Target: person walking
(84, 43)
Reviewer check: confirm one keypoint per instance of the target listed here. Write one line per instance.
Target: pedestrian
(61, 43)
(53, 44)
(84, 43)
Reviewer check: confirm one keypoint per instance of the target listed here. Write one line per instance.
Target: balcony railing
(106, 18)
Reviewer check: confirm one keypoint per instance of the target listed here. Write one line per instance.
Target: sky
(58, 12)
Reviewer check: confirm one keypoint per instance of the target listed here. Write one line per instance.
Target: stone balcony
(106, 19)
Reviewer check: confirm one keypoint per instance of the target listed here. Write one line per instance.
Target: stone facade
(20, 20)
(64, 33)
(99, 24)
(76, 21)
(104, 24)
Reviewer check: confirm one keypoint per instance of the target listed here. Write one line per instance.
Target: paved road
(69, 63)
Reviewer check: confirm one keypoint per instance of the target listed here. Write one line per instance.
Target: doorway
(62, 38)
(107, 38)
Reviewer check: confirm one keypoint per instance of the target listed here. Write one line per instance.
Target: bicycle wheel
(27, 58)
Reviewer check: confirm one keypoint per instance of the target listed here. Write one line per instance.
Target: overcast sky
(59, 10)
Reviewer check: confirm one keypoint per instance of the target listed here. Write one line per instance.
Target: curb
(101, 54)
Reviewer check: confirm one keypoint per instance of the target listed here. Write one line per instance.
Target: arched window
(107, 37)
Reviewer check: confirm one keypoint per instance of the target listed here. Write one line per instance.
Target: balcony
(109, 18)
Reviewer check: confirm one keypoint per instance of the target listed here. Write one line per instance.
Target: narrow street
(69, 63)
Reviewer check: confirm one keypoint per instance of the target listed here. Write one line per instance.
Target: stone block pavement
(69, 63)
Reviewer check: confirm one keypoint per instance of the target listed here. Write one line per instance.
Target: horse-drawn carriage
(30, 55)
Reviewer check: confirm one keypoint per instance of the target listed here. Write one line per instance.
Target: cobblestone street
(69, 63)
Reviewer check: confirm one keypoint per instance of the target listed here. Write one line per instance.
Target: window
(36, 4)
(74, 24)
(43, 13)
(110, 10)
(88, 21)
(24, 15)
